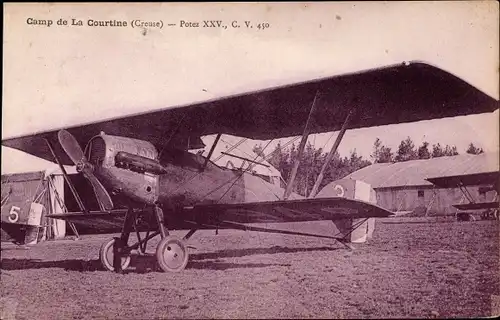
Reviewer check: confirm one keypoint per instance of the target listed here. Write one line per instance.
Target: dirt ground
(413, 267)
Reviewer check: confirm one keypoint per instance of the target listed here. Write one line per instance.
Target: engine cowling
(126, 166)
(101, 150)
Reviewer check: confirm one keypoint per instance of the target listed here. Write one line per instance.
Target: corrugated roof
(414, 173)
(25, 176)
(52, 169)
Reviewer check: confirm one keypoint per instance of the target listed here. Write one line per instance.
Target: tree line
(313, 159)
(407, 151)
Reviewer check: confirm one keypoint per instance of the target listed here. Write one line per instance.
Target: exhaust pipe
(138, 164)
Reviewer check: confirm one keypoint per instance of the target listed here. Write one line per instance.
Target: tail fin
(352, 189)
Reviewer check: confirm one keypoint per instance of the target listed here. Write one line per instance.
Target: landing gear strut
(171, 253)
(107, 255)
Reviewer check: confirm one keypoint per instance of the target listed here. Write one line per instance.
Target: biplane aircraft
(140, 168)
(486, 182)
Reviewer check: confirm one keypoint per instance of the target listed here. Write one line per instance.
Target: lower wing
(336, 208)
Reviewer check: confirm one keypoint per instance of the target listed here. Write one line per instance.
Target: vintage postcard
(250, 160)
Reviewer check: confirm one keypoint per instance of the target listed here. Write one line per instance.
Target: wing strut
(211, 151)
(330, 155)
(466, 192)
(61, 205)
(302, 144)
(65, 175)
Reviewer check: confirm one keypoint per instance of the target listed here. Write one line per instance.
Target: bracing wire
(231, 148)
(198, 173)
(235, 179)
(172, 133)
(265, 157)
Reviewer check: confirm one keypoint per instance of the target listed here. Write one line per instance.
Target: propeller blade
(70, 146)
(102, 195)
(75, 153)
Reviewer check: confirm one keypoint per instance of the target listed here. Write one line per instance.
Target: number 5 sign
(14, 214)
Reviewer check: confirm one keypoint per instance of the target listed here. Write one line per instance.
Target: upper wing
(486, 178)
(201, 216)
(395, 94)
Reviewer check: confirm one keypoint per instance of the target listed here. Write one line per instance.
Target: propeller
(75, 153)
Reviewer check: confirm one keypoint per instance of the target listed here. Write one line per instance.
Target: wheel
(172, 254)
(106, 256)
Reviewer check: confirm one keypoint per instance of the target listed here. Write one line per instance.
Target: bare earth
(413, 267)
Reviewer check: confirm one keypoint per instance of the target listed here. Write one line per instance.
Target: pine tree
(472, 149)
(406, 151)
(423, 151)
(381, 153)
(439, 151)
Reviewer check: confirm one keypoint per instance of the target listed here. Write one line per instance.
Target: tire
(106, 256)
(172, 254)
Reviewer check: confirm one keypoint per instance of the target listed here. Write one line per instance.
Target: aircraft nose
(82, 165)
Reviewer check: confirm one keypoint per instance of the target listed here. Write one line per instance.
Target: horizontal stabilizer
(478, 206)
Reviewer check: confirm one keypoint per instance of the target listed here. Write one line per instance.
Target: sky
(458, 131)
(60, 76)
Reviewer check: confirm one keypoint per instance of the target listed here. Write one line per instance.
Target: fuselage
(133, 169)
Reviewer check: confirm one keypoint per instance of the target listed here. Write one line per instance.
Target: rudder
(352, 189)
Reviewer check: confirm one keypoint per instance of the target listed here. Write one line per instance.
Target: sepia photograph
(250, 160)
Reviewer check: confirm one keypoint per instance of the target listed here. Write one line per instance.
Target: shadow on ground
(147, 263)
